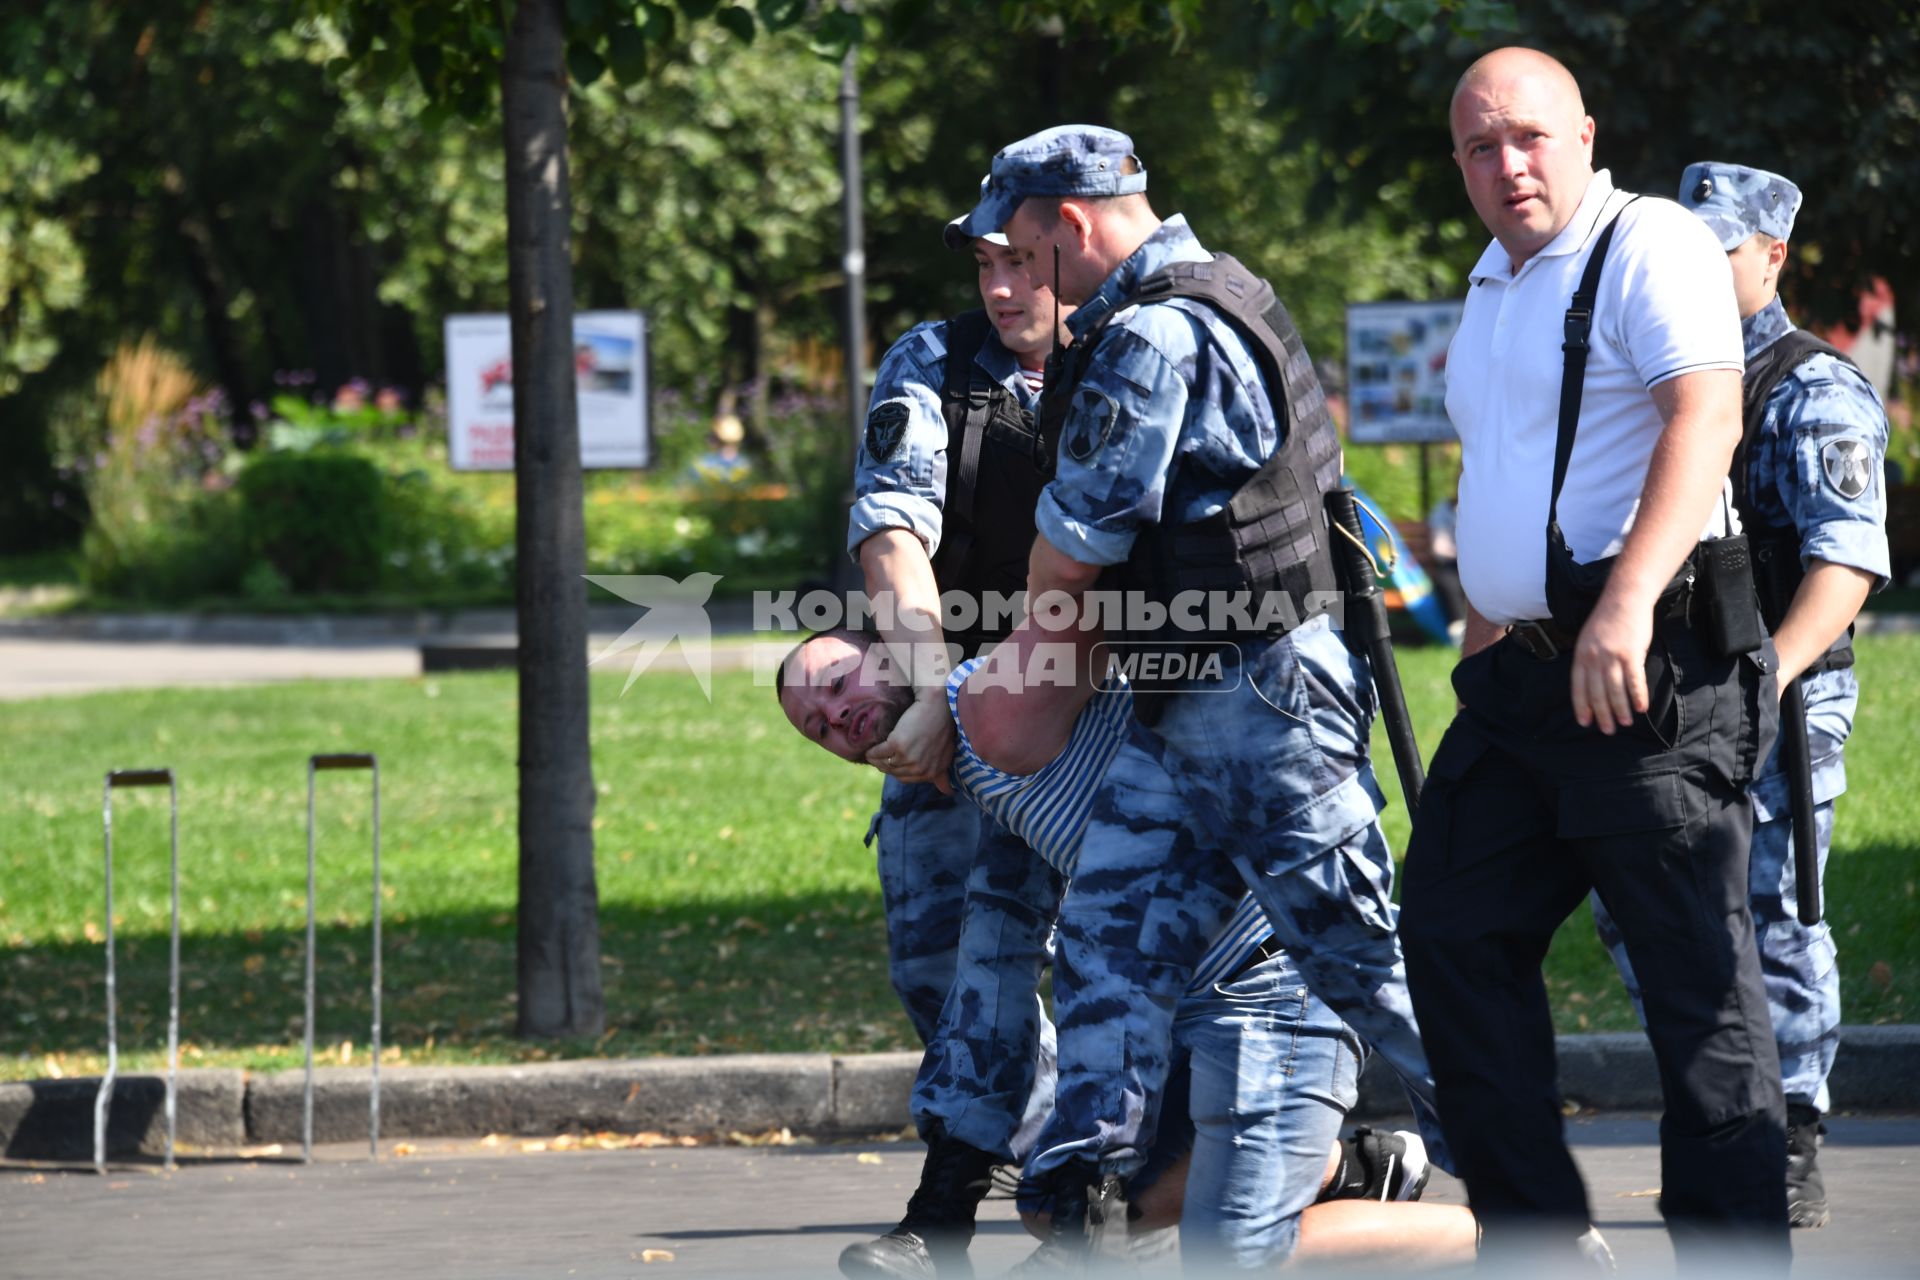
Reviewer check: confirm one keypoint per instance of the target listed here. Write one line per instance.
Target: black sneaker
(1806, 1192)
(931, 1241)
(1380, 1166)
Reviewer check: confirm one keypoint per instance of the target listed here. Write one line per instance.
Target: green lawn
(739, 910)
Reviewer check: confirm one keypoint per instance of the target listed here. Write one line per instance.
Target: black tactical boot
(1806, 1193)
(931, 1241)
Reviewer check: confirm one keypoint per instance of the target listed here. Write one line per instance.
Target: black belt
(1545, 639)
(1266, 951)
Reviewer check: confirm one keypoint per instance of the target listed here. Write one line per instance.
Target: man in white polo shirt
(1608, 728)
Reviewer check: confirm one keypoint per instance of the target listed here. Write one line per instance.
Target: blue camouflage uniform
(1276, 769)
(1822, 414)
(1264, 1072)
(1170, 418)
(929, 842)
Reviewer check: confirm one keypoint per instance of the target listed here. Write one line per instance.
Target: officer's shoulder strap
(1787, 353)
(1224, 281)
(1245, 300)
(1765, 372)
(1248, 302)
(967, 406)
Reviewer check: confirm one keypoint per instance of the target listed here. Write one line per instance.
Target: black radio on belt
(1726, 607)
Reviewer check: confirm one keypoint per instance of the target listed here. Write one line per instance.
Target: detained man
(1250, 1162)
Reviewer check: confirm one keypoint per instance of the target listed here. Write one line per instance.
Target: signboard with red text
(610, 370)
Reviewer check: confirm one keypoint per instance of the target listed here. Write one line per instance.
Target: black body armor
(993, 484)
(1272, 536)
(1777, 570)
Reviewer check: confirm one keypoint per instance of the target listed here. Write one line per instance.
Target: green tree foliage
(264, 193)
(1833, 102)
(216, 201)
(41, 270)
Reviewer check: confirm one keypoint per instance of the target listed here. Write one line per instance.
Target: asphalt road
(468, 1210)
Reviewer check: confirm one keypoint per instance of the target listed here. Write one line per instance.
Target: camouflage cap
(1736, 201)
(1066, 160)
(956, 238)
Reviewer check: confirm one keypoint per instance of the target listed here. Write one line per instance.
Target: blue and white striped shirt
(1049, 809)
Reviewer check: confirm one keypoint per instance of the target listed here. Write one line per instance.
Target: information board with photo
(610, 371)
(1397, 370)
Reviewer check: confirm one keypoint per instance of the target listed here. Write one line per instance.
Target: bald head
(1524, 144)
(1497, 70)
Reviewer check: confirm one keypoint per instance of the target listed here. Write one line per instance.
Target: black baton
(1354, 567)
(1796, 761)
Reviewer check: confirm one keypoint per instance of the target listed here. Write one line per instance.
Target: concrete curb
(1878, 1070)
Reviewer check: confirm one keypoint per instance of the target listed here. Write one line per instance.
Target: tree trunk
(559, 943)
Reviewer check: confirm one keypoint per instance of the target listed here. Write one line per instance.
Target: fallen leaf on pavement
(404, 1148)
(866, 1157)
(656, 1255)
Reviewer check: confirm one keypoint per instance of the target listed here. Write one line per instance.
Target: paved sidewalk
(469, 1210)
(86, 653)
(43, 668)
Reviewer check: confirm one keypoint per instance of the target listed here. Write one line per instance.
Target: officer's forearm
(906, 598)
(1828, 600)
(1051, 569)
(1684, 480)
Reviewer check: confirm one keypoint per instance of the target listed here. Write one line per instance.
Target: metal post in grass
(315, 764)
(103, 1101)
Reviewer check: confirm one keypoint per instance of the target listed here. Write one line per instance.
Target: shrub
(148, 451)
(319, 519)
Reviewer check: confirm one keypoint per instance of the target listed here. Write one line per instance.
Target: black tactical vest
(1777, 571)
(993, 484)
(1272, 535)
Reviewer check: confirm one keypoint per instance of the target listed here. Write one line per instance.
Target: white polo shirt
(1664, 307)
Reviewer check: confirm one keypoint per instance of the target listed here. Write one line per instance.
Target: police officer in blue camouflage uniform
(911, 545)
(1165, 410)
(944, 491)
(1811, 492)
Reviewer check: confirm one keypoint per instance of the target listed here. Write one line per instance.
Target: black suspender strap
(1578, 327)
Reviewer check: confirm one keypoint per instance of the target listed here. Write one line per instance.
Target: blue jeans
(1273, 1074)
(1275, 769)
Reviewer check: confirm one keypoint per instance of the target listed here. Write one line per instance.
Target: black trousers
(1524, 811)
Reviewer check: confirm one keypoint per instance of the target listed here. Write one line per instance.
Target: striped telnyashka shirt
(1049, 809)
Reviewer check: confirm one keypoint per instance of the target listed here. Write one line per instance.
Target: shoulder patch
(1090, 423)
(1848, 466)
(935, 342)
(886, 427)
